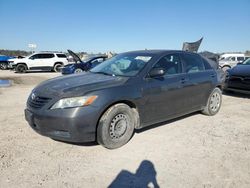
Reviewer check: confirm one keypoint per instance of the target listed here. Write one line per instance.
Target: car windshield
(247, 62)
(122, 65)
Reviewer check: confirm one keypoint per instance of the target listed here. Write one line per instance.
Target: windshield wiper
(103, 73)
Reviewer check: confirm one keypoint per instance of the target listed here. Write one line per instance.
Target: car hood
(240, 70)
(77, 84)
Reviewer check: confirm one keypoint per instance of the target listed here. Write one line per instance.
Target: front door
(164, 95)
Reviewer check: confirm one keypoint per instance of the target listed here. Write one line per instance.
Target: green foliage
(14, 52)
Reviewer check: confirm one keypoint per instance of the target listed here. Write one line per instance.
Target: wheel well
(219, 86)
(61, 63)
(22, 64)
(226, 66)
(130, 104)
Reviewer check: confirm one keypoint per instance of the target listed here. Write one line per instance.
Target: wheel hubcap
(78, 70)
(215, 102)
(118, 126)
(21, 69)
(58, 68)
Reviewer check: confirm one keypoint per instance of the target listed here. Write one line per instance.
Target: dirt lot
(194, 151)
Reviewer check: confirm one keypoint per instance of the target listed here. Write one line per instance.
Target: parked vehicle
(229, 62)
(51, 61)
(80, 66)
(227, 55)
(4, 61)
(238, 78)
(129, 91)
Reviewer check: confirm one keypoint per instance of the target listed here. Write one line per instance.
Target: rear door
(201, 78)
(47, 60)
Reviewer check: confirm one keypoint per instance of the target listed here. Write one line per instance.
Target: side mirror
(156, 72)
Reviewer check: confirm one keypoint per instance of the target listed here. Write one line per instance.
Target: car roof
(48, 52)
(158, 52)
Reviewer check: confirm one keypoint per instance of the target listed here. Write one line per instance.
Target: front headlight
(74, 102)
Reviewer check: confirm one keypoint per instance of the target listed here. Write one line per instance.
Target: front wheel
(78, 70)
(3, 66)
(116, 126)
(21, 68)
(214, 103)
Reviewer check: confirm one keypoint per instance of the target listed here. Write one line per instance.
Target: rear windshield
(61, 55)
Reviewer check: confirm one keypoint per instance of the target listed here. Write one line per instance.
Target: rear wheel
(214, 103)
(57, 67)
(225, 68)
(21, 68)
(116, 126)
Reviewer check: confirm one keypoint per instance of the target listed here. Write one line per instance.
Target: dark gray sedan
(129, 91)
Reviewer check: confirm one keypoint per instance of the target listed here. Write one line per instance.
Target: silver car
(230, 62)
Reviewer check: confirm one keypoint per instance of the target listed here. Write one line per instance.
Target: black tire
(57, 67)
(3, 66)
(78, 70)
(214, 103)
(116, 126)
(21, 68)
(225, 68)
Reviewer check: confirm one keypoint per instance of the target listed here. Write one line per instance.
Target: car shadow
(235, 94)
(44, 71)
(145, 176)
(87, 144)
(156, 125)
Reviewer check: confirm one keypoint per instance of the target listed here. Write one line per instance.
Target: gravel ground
(193, 151)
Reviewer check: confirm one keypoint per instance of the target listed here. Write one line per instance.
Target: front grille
(239, 82)
(38, 102)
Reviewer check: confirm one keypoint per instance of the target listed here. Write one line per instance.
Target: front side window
(232, 58)
(193, 62)
(36, 56)
(123, 65)
(170, 63)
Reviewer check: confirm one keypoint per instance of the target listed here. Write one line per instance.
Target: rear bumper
(75, 125)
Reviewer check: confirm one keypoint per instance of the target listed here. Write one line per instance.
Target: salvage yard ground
(194, 151)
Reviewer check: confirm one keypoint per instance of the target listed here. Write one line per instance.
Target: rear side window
(240, 58)
(46, 56)
(206, 64)
(61, 55)
(170, 63)
(194, 63)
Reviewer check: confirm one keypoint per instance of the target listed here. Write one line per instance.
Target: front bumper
(236, 87)
(76, 125)
(67, 70)
(236, 90)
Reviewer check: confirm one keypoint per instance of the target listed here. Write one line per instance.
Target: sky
(124, 25)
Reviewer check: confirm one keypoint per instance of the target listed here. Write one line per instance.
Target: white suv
(40, 61)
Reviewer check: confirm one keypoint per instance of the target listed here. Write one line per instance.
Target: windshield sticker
(143, 58)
